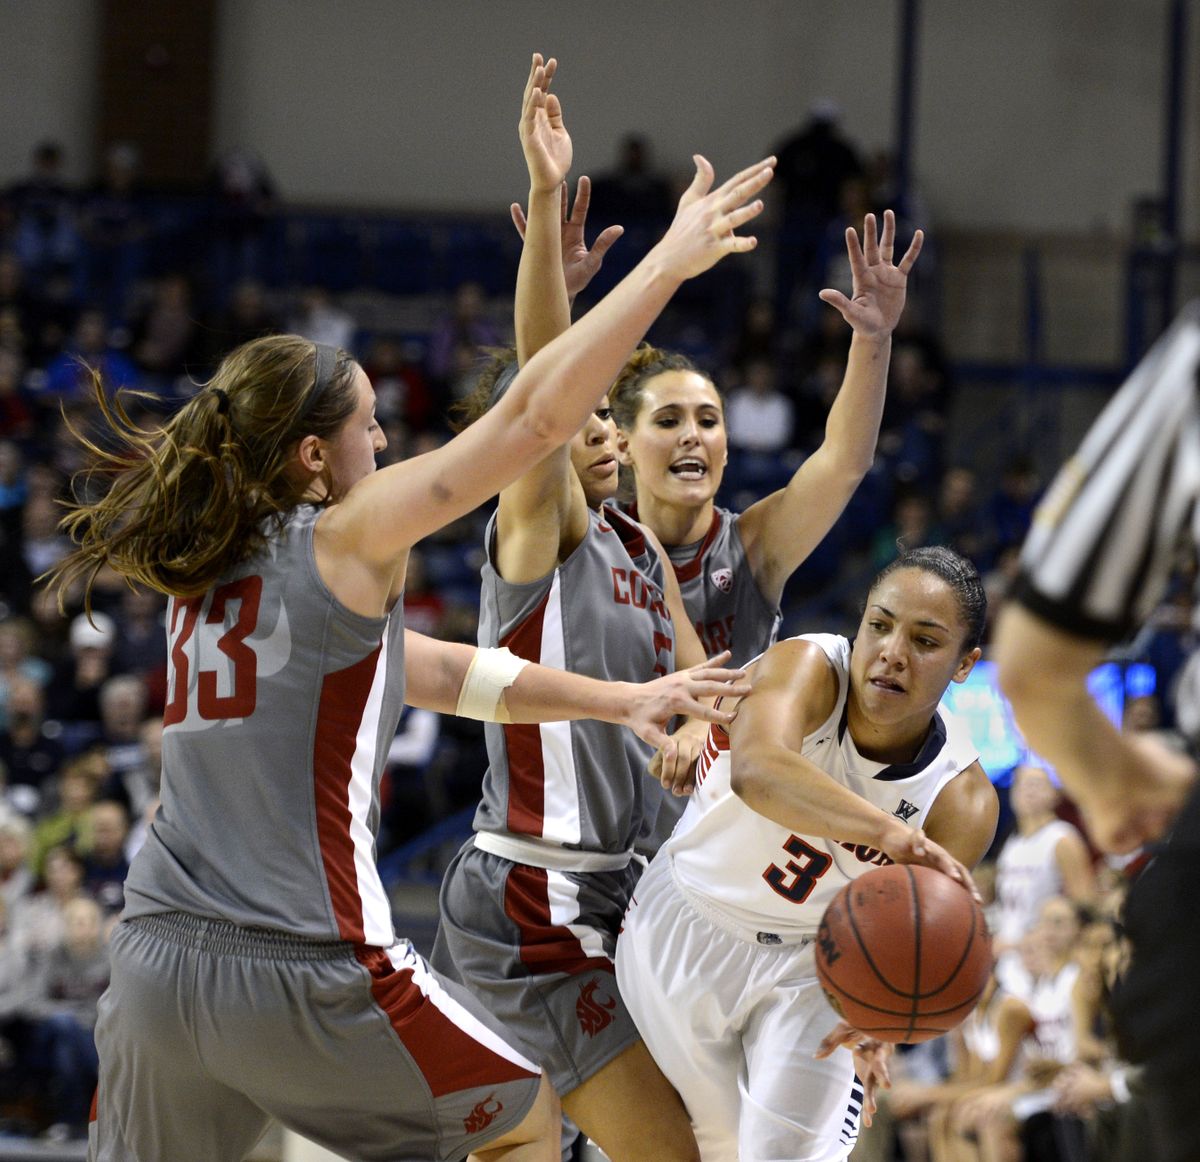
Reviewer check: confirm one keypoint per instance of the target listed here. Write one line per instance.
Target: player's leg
(671, 965)
(537, 946)
(384, 1059)
(631, 1112)
(795, 1106)
(155, 1099)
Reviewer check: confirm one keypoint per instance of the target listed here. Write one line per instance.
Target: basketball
(903, 953)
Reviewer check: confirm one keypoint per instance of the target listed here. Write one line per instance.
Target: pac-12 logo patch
(722, 579)
(594, 1008)
(483, 1115)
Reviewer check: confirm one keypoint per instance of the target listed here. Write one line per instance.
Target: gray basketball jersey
(281, 705)
(579, 785)
(720, 594)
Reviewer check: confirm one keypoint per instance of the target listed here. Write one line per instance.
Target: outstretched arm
(794, 691)
(435, 671)
(388, 511)
(781, 530)
(1128, 787)
(542, 516)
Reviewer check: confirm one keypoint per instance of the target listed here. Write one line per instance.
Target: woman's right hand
(653, 704)
(544, 138)
(703, 231)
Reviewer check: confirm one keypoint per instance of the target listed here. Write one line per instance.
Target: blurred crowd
(151, 290)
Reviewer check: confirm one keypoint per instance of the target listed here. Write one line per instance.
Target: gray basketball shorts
(207, 1030)
(537, 947)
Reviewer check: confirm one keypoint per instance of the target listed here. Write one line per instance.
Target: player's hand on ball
(912, 845)
(870, 1061)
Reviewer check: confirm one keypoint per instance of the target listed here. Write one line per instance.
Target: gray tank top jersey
(281, 706)
(720, 593)
(580, 785)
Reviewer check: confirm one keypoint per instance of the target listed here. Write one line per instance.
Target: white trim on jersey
(561, 816)
(376, 910)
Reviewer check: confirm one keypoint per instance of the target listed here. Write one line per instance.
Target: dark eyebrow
(927, 621)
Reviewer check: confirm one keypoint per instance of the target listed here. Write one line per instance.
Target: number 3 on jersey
(797, 880)
(193, 639)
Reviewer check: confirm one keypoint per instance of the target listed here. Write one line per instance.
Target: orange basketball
(903, 953)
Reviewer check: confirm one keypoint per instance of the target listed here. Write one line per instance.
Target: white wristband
(490, 673)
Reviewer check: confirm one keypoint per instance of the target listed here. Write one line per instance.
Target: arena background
(1051, 148)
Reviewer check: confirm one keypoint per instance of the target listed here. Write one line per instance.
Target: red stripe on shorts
(449, 1057)
(344, 696)
(545, 947)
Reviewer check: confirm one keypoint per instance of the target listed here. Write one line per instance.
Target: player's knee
(544, 1119)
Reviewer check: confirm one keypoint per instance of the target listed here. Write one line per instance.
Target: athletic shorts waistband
(224, 938)
(536, 853)
(720, 919)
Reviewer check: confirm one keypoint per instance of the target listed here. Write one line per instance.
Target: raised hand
(652, 705)
(580, 265)
(544, 138)
(877, 296)
(703, 231)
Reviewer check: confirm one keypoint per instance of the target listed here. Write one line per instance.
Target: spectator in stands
(67, 377)
(30, 752)
(18, 415)
(458, 339)
(401, 390)
(69, 822)
(248, 316)
(242, 201)
(1045, 857)
(813, 163)
(760, 418)
(42, 544)
(122, 712)
(911, 527)
(141, 640)
(67, 988)
(38, 921)
(138, 788)
(115, 228)
(18, 659)
(633, 191)
(958, 522)
(166, 341)
(75, 692)
(914, 420)
(104, 864)
(16, 875)
(1010, 510)
(318, 318)
(45, 232)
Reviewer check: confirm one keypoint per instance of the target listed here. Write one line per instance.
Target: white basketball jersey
(1027, 876)
(1053, 1014)
(765, 877)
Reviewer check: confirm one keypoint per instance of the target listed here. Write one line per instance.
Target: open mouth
(689, 469)
(605, 466)
(887, 685)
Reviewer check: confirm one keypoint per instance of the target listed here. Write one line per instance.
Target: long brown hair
(625, 395)
(181, 503)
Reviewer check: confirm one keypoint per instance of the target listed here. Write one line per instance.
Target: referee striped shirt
(1099, 555)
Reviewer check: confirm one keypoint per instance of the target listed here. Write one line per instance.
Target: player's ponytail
(175, 506)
